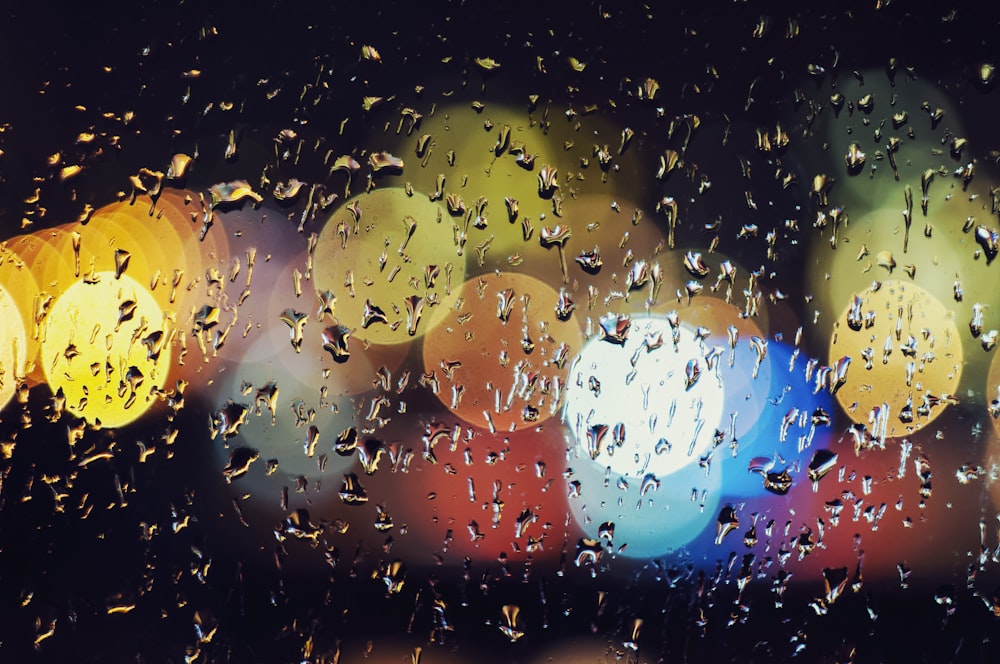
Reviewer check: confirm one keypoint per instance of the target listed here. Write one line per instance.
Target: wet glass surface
(460, 332)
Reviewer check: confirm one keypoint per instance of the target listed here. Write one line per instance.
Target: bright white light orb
(648, 403)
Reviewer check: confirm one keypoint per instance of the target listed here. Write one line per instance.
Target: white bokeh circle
(644, 387)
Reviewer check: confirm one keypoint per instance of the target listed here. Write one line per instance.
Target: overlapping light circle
(648, 405)
(278, 428)
(650, 518)
(788, 429)
(13, 346)
(903, 109)
(500, 352)
(485, 496)
(106, 346)
(389, 258)
(992, 396)
(745, 367)
(281, 316)
(490, 160)
(871, 249)
(914, 356)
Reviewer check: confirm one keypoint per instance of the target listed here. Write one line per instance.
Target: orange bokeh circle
(484, 372)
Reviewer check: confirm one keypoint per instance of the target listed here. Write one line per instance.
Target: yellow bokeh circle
(388, 258)
(993, 392)
(13, 346)
(905, 351)
(105, 346)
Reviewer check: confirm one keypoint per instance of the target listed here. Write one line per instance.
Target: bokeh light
(906, 346)
(486, 496)
(105, 348)
(647, 403)
(589, 333)
(13, 346)
(645, 517)
(403, 261)
(500, 351)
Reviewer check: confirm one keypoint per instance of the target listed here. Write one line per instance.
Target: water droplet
(822, 462)
(240, 460)
(726, 523)
(351, 490)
